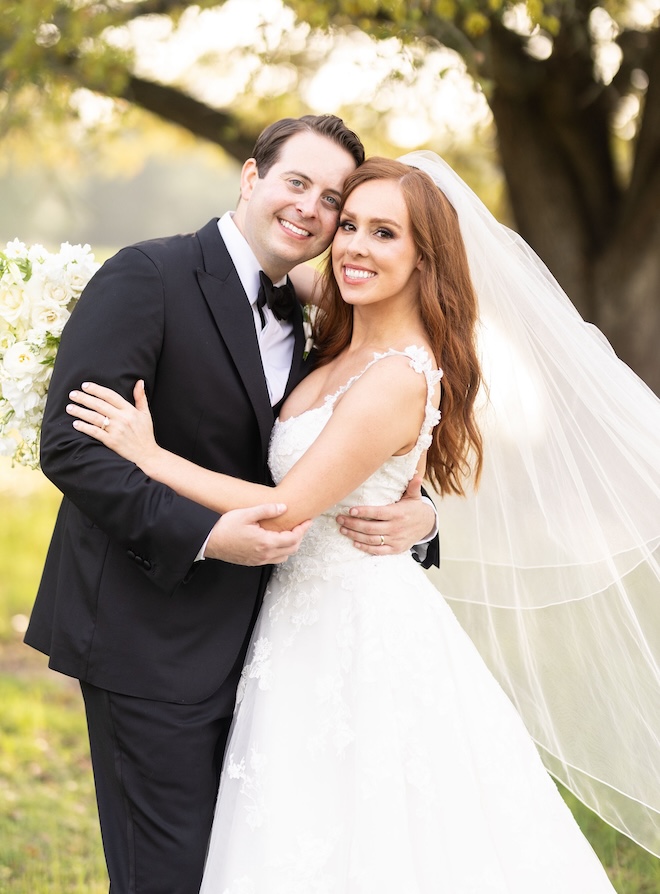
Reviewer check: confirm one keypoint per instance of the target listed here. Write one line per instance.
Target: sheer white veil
(553, 565)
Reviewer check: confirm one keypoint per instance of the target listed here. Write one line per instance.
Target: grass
(49, 835)
(631, 869)
(50, 840)
(26, 522)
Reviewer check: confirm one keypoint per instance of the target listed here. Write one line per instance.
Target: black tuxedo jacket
(121, 603)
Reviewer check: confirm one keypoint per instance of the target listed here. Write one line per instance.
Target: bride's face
(374, 257)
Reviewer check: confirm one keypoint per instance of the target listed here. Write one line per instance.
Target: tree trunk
(602, 242)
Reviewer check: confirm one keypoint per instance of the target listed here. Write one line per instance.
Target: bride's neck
(377, 331)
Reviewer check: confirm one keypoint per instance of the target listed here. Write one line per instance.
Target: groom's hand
(238, 537)
(385, 530)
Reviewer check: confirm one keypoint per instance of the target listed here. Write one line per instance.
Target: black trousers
(156, 770)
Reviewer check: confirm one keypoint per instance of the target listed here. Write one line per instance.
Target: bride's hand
(105, 415)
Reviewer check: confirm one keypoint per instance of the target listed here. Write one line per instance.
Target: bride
(372, 749)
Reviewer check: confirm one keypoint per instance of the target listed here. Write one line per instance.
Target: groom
(147, 598)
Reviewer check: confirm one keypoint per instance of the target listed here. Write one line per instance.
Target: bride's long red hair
(448, 307)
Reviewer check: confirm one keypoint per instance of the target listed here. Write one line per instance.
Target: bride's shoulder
(403, 377)
(395, 374)
(417, 357)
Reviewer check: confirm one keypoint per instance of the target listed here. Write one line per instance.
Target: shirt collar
(243, 258)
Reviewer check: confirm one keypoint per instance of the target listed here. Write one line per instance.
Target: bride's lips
(294, 229)
(354, 274)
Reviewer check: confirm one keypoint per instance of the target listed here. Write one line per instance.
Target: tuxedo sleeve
(115, 337)
(428, 553)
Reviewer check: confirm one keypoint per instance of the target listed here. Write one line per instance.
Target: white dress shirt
(276, 337)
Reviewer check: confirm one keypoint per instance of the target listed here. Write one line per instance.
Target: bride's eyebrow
(376, 221)
(385, 221)
(371, 221)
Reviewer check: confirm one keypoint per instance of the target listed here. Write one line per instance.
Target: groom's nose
(307, 205)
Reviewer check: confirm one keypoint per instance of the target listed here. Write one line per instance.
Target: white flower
(11, 297)
(7, 337)
(80, 267)
(37, 293)
(20, 360)
(49, 316)
(16, 249)
(49, 283)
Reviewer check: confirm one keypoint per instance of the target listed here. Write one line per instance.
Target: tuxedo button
(131, 554)
(146, 564)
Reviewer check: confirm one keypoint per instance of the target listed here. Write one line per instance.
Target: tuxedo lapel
(299, 366)
(233, 316)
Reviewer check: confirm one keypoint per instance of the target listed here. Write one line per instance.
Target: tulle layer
(553, 566)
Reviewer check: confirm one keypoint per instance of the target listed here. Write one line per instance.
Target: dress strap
(420, 362)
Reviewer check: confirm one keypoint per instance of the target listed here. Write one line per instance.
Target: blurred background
(126, 119)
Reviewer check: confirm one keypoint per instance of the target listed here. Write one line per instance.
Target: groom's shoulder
(164, 247)
(169, 257)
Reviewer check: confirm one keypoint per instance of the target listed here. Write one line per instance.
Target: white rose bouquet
(38, 290)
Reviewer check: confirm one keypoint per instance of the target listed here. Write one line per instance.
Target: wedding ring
(382, 540)
(105, 423)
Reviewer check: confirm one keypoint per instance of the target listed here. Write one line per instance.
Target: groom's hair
(270, 141)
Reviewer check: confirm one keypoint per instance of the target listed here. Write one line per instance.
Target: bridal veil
(553, 564)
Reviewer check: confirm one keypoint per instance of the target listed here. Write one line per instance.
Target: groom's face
(291, 213)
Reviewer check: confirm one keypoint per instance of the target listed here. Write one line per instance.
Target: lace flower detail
(250, 775)
(419, 359)
(257, 669)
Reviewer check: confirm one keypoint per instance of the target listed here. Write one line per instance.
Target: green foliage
(47, 49)
(51, 48)
(23, 264)
(49, 835)
(42, 39)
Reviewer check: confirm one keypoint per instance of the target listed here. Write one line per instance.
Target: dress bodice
(292, 437)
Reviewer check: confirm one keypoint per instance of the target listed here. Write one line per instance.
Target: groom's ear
(249, 176)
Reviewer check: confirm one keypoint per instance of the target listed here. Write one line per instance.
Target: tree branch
(126, 12)
(171, 104)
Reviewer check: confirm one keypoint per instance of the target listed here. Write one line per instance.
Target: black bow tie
(280, 299)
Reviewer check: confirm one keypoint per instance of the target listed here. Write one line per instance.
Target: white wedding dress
(372, 751)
